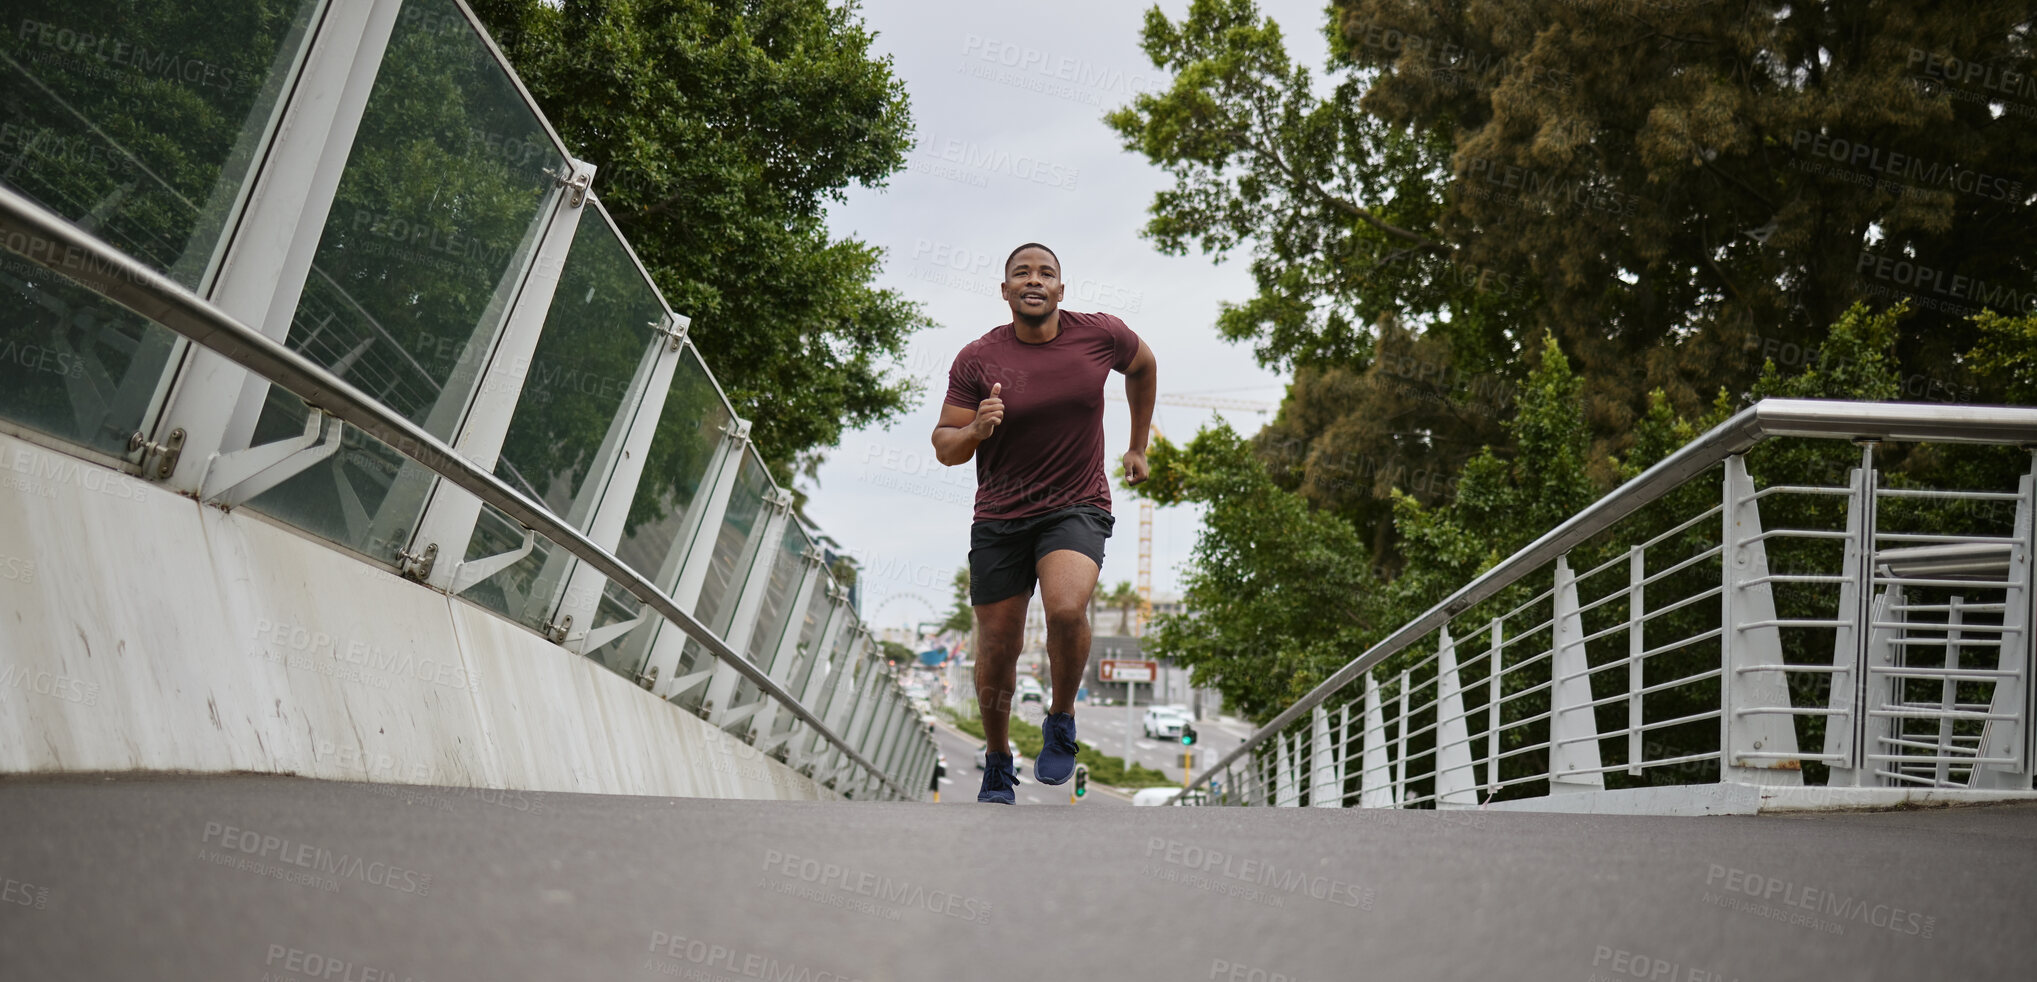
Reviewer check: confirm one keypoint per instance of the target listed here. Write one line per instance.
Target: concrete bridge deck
(277, 878)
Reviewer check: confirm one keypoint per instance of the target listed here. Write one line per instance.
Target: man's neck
(1038, 331)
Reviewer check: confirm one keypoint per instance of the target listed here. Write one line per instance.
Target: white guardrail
(1871, 637)
(36, 234)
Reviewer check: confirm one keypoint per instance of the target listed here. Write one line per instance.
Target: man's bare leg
(1000, 633)
(1067, 578)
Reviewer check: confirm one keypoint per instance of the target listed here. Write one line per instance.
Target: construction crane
(1146, 507)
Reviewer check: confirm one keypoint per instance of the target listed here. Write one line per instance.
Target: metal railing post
(1375, 775)
(812, 574)
(686, 563)
(1573, 724)
(1757, 731)
(1286, 790)
(2014, 694)
(1637, 574)
(1456, 777)
(270, 256)
(1400, 764)
(1326, 778)
(1492, 709)
(749, 605)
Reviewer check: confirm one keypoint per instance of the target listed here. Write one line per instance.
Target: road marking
(1144, 744)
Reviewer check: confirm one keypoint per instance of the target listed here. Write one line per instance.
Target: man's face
(1032, 284)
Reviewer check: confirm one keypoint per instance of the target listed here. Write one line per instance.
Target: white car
(1029, 690)
(1162, 796)
(1018, 761)
(1164, 722)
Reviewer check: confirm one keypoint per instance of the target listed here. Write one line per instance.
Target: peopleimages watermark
(271, 854)
(693, 957)
(1976, 81)
(304, 649)
(39, 470)
(1022, 166)
(1799, 903)
(1620, 963)
(318, 965)
(61, 687)
(1925, 284)
(1229, 971)
(1259, 873)
(1048, 73)
(111, 52)
(847, 882)
(1902, 170)
(23, 894)
(1452, 62)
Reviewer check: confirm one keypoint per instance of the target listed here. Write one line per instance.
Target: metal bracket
(417, 566)
(649, 679)
(468, 575)
(557, 632)
(738, 429)
(673, 327)
(681, 684)
(602, 636)
(232, 478)
(166, 453)
(573, 178)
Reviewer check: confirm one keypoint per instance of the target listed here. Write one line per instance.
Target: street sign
(1128, 670)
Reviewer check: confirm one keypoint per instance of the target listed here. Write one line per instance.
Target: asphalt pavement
(274, 878)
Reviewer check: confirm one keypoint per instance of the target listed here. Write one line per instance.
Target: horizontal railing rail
(1864, 423)
(46, 239)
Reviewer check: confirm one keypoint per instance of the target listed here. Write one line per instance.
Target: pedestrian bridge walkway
(390, 592)
(266, 877)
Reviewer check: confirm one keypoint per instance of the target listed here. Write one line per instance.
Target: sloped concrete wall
(140, 630)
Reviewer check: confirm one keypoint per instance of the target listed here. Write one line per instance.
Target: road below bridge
(271, 878)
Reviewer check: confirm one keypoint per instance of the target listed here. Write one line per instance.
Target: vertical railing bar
(1948, 691)
(1863, 609)
(1400, 784)
(1636, 574)
(1492, 728)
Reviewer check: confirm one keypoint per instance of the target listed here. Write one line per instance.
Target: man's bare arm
(961, 429)
(1142, 384)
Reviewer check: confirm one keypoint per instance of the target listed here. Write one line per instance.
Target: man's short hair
(1029, 245)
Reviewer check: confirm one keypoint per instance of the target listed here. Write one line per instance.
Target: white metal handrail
(1863, 423)
(42, 237)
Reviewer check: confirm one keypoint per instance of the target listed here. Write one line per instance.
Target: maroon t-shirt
(1048, 452)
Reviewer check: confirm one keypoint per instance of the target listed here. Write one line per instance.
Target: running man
(1026, 400)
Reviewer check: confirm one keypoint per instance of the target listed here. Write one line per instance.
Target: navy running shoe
(997, 780)
(1056, 763)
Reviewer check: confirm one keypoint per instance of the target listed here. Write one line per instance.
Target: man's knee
(1067, 617)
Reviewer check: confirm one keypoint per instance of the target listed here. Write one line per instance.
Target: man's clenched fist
(989, 412)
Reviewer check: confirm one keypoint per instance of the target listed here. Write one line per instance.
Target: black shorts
(1004, 555)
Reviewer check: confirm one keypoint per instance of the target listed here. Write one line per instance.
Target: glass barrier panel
(806, 661)
(577, 403)
(443, 200)
(775, 615)
(734, 547)
(139, 123)
(691, 428)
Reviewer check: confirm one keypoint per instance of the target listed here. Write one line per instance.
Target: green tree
(895, 653)
(1652, 184)
(721, 131)
(1125, 598)
(962, 616)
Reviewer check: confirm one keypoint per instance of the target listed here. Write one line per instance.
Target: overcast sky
(1007, 103)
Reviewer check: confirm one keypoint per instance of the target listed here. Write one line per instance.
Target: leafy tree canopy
(1677, 193)
(721, 130)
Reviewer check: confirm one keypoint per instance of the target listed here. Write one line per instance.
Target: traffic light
(1081, 780)
(1188, 734)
